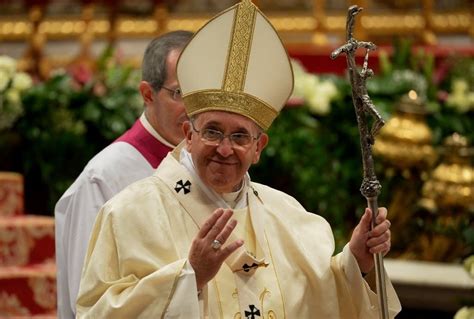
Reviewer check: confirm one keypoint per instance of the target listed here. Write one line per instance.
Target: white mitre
(236, 63)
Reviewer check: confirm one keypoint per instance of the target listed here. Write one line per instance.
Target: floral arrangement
(12, 85)
(65, 121)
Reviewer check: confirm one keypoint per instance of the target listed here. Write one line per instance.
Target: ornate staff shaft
(370, 187)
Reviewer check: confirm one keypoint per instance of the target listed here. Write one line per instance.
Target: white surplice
(134, 156)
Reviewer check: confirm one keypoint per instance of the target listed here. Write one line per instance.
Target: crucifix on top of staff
(370, 187)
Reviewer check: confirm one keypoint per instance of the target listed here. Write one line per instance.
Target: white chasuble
(237, 287)
(136, 265)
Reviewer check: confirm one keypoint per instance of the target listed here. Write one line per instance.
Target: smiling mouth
(223, 162)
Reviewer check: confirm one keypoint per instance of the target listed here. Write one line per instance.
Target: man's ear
(146, 91)
(261, 144)
(187, 130)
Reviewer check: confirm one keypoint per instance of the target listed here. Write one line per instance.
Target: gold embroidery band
(239, 51)
(241, 103)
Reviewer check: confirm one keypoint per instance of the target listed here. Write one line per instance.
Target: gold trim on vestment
(239, 49)
(175, 284)
(237, 102)
(276, 274)
(219, 298)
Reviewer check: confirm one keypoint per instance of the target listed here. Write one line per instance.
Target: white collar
(234, 200)
(153, 132)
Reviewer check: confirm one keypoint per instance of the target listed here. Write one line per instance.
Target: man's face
(222, 167)
(164, 113)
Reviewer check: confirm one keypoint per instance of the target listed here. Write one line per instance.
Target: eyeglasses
(213, 137)
(176, 93)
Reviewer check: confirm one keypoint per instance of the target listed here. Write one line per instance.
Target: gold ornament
(451, 183)
(405, 141)
(448, 195)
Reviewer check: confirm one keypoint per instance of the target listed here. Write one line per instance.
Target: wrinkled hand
(366, 242)
(205, 260)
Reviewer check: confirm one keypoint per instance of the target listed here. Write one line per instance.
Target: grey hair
(154, 59)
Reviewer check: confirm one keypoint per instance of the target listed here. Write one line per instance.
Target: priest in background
(199, 239)
(133, 156)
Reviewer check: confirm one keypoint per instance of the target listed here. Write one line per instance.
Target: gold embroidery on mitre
(239, 50)
(237, 102)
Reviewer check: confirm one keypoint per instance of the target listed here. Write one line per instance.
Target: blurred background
(69, 72)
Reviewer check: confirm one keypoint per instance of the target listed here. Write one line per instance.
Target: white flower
(13, 96)
(7, 65)
(327, 89)
(9, 111)
(308, 85)
(460, 98)
(301, 79)
(465, 313)
(11, 86)
(320, 97)
(317, 93)
(22, 81)
(318, 105)
(4, 80)
(298, 68)
(459, 86)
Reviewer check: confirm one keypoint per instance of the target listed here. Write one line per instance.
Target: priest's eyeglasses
(176, 93)
(212, 137)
